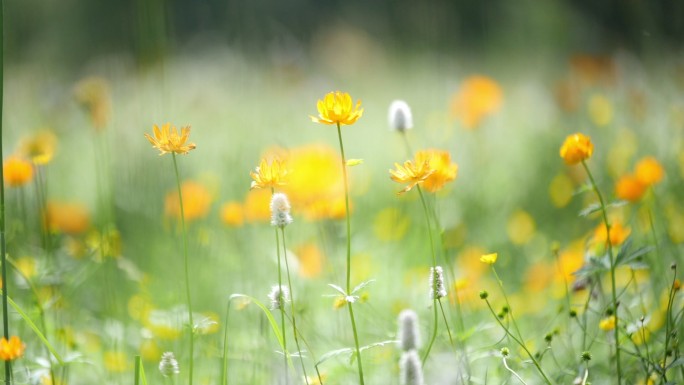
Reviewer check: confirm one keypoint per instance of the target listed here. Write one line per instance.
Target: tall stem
(348, 215)
(280, 301)
(609, 246)
(5, 318)
(187, 272)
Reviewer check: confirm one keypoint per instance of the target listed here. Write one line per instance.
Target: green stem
(281, 300)
(187, 271)
(348, 216)
(510, 309)
(668, 316)
(434, 331)
(612, 270)
(292, 307)
(3, 251)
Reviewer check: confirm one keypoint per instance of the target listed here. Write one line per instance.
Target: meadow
(529, 216)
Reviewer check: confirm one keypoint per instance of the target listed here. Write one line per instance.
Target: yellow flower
(115, 362)
(478, 97)
(196, 201)
(256, 206)
(93, 94)
(442, 170)
(167, 139)
(39, 148)
(337, 108)
(618, 233)
(68, 218)
(649, 171)
(608, 323)
(269, 174)
(11, 349)
(576, 148)
(411, 173)
(520, 227)
(489, 259)
(232, 214)
(629, 188)
(600, 110)
(17, 171)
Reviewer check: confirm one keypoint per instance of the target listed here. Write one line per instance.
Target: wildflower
(336, 108)
(115, 361)
(629, 188)
(17, 171)
(576, 148)
(600, 110)
(11, 349)
(269, 174)
(411, 173)
(168, 366)
(442, 170)
(68, 218)
(279, 295)
(311, 260)
(167, 139)
(618, 233)
(399, 116)
(411, 372)
(232, 214)
(586, 355)
(520, 227)
(409, 338)
(608, 323)
(280, 210)
(649, 171)
(505, 352)
(196, 201)
(478, 97)
(40, 148)
(93, 94)
(489, 259)
(437, 289)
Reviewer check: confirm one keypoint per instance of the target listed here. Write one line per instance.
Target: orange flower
(196, 201)
(68, 218)
(12, 349)
(411, 173)
(269, 174)
(618, 233)
(630, 188)
(232, 214)
(478, 97)
(576, 148)
(443, 170)
(649, 171)
(337, 108)
(167, 139)
(17, 171)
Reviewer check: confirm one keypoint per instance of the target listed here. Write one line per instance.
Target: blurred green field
(95, 245)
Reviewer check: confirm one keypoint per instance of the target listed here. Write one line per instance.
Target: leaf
(592, 208)
(362, 285)
(351, 351)
(354, 162)
(678, 362)
(339, 289)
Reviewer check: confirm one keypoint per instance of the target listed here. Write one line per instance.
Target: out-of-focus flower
(168, 366)
(280, 210)
(232, 214)
(478, 97)
(337, 108)
(442, 170)
(561, 190)
(69, 218)
(608, 323)
(591, 70)
(600, 110)
(271, 174)
(629, 188)
(27, 266)
(576, 148)
(618, 233)
(410, 369)
(489, 259)
(196, 201)
(11, 349)
(279, 295)
(93, 94)
(311, 260)
(408, 334)
(256, 206)
(17, 171)
(39, 148)
(411, 173)
(649, 171)
(115, 361)
(149, 350)
(390, 224)
(399, 116)
(167, 139)
(520, 227)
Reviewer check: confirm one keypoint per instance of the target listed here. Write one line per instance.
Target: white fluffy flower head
(280, 210)
(399, 116)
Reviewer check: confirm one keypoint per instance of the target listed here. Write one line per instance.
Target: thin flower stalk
(282, 310)
(348, 222)
(187, 272)
(3, 250)
(512, 371)
(612, 269)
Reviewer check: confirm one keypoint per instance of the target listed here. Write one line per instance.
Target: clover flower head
(437, 289)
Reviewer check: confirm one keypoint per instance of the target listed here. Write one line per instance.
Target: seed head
(399, 116)
(279, 295)
(168, 366)
(409, 337)
(411, 372)
(437, 289)
(280, 210)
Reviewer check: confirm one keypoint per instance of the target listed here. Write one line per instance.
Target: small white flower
(279, 295)
(437, 289)
(280, 210)
(399, 116)
(409, 337)
(168, 366)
